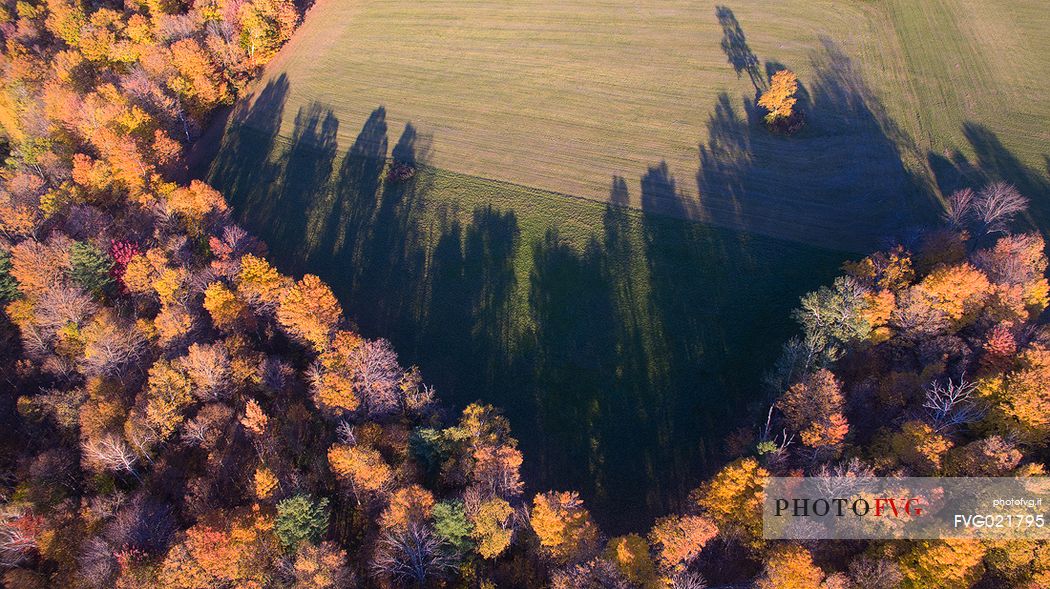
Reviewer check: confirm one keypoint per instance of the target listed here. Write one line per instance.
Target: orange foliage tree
(563, 525)
(814, 408)
(678, 540)
(362, 467)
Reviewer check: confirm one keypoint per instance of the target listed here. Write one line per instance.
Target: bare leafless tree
(208, 426)
(345, 432)
(845, 479)
(113, 346)
(379, 378)
(143, 524)
(773, 444)
(275, 372)
(1008, 262)
(63, 305)
(97, 563)
(687, 580)
(211, 369)
(596, 573)
(996, 206)
(417, 397)
(875, 573)
(951, 403)
(106, 506)
(412, 556)
(915, 319)
(111, 452)
(960, 208)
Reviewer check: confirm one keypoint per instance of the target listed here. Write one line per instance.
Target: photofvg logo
(859, 506)
(916, 508)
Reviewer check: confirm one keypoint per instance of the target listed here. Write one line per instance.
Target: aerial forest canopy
(175, 412)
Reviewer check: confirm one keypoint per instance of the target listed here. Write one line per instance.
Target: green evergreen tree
(90, 268)
(301, 519)
(452, 525)
(8, 284)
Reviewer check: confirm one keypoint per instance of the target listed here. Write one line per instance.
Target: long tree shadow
(574, 353)
(307, 166)
(346, 217)
(688, 393)
(734, 45)
(242, 165)
(388, 251)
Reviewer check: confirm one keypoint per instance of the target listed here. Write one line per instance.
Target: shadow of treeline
(623, 358)
(623, 355)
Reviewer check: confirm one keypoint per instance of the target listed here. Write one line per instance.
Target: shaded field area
(623, 345)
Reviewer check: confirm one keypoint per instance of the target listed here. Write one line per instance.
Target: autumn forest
(177, 412)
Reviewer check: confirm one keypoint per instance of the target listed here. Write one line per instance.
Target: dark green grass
(622, 345)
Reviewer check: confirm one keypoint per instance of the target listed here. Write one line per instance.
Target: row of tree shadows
(621, 388)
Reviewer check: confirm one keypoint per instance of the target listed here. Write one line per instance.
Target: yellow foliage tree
(779, 100)
(168, 393)
(259, 282)
(943, 564)
(919, 446)
(790, 568)
(733, 499)
(265, 482)
(322, 567)
(143, 270)
(630, 554)
(1022, 397)
(170, 285)
(223, 306)
(959, 292)
(1024, 563)
(492, 527)
(172, 322)
(562, 524)
(310, 311)
(334, 388)
(194, 202)
(265, 26)
(890, 270)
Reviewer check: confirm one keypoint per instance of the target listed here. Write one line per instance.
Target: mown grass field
(602, 239)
